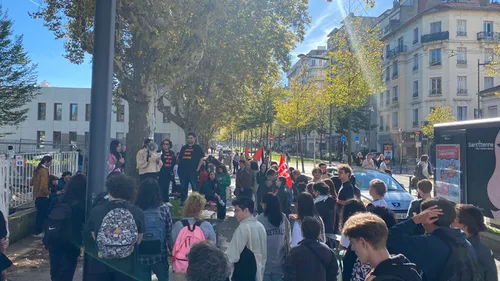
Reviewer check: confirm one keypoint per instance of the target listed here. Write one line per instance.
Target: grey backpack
(118, 233)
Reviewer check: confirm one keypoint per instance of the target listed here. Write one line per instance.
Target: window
(56, 139)
(395, 94)
(415, 117)
(387, 120)
(120, 135)
(415, 35)
(415, 89)
(165, 116)
(415, 61)
(387, 73)
(87, 112)
(492, 111)
(57, 111)
(395, 119)
(488, 29)
(461, 113)
(462, 55)
(435, 57)
(40, 138)
(387, 97)
(435, 27)
(73, 112)
(382, 99)
(120, 113)
(435, 86)
(395, 71)
(401, 43)
(488, 82)
(73, 137)
(462, 85)
(381, 126)
(42, 109)
(313, 62)
(387, 50)
(488, 55)
(461, 28)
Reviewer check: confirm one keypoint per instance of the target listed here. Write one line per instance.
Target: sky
(47, 52)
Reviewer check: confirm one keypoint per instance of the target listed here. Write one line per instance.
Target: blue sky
(47, 52)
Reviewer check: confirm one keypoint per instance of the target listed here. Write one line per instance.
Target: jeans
(159, 269)
(165, 179)
(273, 277)
(235, 167)
(186, 180)
(63, 263)
(42, 211)
(246, 193)
(221, 210)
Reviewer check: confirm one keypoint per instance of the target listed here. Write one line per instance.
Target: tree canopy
(440, 114)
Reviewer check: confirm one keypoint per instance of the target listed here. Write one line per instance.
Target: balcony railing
(439, 36)
(488, 36)
(415, 67)
(415, 42)
(435, 92)
(461, 62)
(461, 33)
(395, 100)
(462, 92)
(434, 62)
(396, 51)
(415, 95)
(395, 75)
(415, 124)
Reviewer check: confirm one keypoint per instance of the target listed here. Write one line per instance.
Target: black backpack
(461, 265)
(56, 226)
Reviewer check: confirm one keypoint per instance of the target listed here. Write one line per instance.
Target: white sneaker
(39, 235)
(169, 204)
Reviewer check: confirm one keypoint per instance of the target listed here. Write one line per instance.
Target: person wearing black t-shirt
(347, 190)
(166, 175)
(190, 160)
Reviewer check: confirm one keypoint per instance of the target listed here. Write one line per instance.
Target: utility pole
(101, 101)
(479, 64)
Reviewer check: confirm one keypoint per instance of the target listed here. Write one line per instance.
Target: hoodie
(276, 244)
(398, 267)
(429, 252)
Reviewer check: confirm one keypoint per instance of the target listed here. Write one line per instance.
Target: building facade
(431, 55)
(62, 115)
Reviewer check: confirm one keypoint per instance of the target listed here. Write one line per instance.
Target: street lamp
(330, 128)
(479, 64)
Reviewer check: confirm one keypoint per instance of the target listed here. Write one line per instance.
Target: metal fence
(32, 146)
(16, 173)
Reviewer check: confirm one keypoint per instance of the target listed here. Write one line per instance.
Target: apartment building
(62, 115)
(431, 55)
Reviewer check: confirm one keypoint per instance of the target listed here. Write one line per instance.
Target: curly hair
(76, 189)
(194, 205)
(148, 196)
(120, 186)
(207, 263)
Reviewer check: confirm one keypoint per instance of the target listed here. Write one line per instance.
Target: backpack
(56, 226)
(153, 240)
(461, 265)
(188, 236)
(118, 233)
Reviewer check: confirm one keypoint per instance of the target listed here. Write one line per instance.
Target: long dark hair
(351, 207)
(273, 209)
(45, 159)
(76, 189)
(305, 206)
(149, 196)
(112, 149)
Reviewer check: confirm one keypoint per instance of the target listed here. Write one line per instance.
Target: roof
(491, 90)
(469, 124)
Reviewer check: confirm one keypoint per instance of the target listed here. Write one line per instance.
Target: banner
(388, 151)
(448, 171)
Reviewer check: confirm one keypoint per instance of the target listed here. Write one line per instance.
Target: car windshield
(363, 179)
(332, 171)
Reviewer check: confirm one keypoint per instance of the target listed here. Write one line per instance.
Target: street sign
(418, 144)
(417, 133)
(343, 138)
(19, 161)
(271, 138)
(356, 138)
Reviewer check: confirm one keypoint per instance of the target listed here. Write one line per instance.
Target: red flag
(258, 155)
(283, 171)
(247, 155)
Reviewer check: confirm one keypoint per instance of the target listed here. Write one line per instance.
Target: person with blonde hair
(193, 208)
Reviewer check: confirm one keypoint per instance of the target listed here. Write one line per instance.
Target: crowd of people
(315, 229)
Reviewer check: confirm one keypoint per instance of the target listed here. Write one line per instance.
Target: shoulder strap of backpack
(317, 256)
(198, 223)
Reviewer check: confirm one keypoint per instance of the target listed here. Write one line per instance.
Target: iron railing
(488, 36)
(438, 36)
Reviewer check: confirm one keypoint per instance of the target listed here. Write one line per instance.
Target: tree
(356, 69)
(440, 114)
(298, 104)
(17, 75)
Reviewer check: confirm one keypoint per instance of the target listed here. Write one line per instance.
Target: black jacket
(396, 268)
(311, 260)
(327, 211)
(485, 259)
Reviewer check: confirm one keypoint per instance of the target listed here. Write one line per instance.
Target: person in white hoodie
(247, 251)
(148, 162)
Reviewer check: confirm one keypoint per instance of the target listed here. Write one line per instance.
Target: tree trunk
(320, 142)
(139, 130)
(297, 143)
(267, 136)
(302, 152)
(349, 146)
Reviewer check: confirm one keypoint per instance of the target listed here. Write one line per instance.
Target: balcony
(395, 100)
(435, 92)
(461, 62)
(415, 124)
(462, 92)
(395, 75)
(415, 94)
(415, 67)
(462, 33)
(435, 62)
(488, 36)
(415, 42)
(439, 36)
(396, 51)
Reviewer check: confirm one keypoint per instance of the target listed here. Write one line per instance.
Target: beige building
(431, 54)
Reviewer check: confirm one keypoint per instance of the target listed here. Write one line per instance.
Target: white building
(431, 54)
(61, 116)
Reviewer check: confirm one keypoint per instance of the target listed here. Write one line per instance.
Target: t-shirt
(168, 160)
(189, 158)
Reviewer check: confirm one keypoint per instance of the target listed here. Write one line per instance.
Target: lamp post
(479, 64)
(330, 127)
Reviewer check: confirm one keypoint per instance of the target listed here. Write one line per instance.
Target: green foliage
(17, 76)
(440, 114)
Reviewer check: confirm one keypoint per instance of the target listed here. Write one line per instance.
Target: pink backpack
(188, 236)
